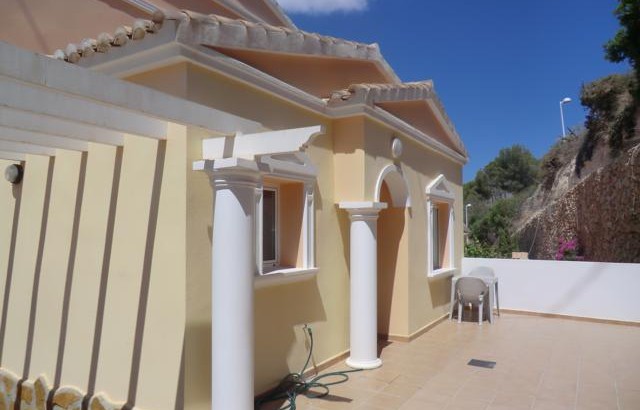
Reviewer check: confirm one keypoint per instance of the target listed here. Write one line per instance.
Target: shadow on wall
(440, 291)
(198, 379)
(36, 293)
(17, 194)
(391, 224)
(281, 312)
(344, 223)
(595, 271)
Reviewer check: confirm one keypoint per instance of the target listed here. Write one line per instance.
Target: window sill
(444, 272)
(283, 276)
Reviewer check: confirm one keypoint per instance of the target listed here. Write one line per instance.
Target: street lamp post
(564, 101)
(466, 215)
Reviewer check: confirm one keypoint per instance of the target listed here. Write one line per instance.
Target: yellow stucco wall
(349, 157)
(428, 298)
(280, 310)
(140, 330)
(58, 295)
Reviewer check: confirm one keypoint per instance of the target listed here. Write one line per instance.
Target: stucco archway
(365, 253)
(391, 176)
(392, 253)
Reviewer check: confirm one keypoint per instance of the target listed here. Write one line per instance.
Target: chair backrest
(482, 272)
(469, 289)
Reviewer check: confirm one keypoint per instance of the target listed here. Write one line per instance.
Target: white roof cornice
(211, 60)
(84, 96)
(372, 94)
(195, 29)
(378, 93)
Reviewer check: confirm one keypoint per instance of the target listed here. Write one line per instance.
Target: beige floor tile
(463, 403)
(512, 399)
(597, 397)
(383, 402)
(332, 402)
(542, 363)
(547, 404)
(629, 399)
(508, 407)
(476, 392)
(401, 389)
(413, 404)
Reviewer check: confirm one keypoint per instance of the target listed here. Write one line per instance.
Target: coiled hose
(294, 384)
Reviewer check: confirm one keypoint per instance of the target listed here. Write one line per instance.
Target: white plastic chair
(473, 291)
(487, 272)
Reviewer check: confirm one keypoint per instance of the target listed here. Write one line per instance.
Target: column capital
(366, 210)
(230, 172)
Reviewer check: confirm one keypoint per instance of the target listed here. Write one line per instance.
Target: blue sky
(500, 67)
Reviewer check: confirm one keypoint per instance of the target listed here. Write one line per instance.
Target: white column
(233, 267)
(364, 282)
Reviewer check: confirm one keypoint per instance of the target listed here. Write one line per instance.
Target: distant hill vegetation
(581, 200)
(584, 191)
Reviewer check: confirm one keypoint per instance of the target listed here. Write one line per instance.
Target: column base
(363, 364)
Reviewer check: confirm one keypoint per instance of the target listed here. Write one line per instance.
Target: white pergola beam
(262, 143)
(28, 121)
(22, 148)
(12, 156)
(28, 137)
(45, 101)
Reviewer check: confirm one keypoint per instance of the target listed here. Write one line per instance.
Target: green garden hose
(294, 384)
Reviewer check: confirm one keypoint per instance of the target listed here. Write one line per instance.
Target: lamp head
(565, 100)
(13, 173)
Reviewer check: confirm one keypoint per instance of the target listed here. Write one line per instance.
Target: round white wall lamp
(13, 173)
(396, 147)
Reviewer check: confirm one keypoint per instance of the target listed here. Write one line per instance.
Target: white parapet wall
(585, 289)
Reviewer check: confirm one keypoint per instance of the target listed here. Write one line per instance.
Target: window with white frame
(270, 226)
(286, 224)
(440, 227)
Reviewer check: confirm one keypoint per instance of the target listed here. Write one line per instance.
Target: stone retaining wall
(603, 212)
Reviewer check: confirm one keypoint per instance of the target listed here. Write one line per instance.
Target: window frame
(439, 192)
(275, 262)
(307, 227)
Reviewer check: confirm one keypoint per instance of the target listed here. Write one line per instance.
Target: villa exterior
(197, 187)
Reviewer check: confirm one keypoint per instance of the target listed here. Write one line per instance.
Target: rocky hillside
(601, 209)
(584, 192)
(589, 184)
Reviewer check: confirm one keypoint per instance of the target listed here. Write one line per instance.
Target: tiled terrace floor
(542, 363)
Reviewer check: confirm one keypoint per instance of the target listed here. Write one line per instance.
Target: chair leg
(480, 310)
(459, 312)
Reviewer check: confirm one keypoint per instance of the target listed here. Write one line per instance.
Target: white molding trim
(398, 199)
(450, 239)
(262, 143)
(28, 137)
(28, 121)
(22, 148)
(217, 62)
(12, 156)
(307, 227)
(362, 205)
(260, 218)
(440, 189)
(48, 101)
(295, 165)
(284, 277)
(103, 101)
